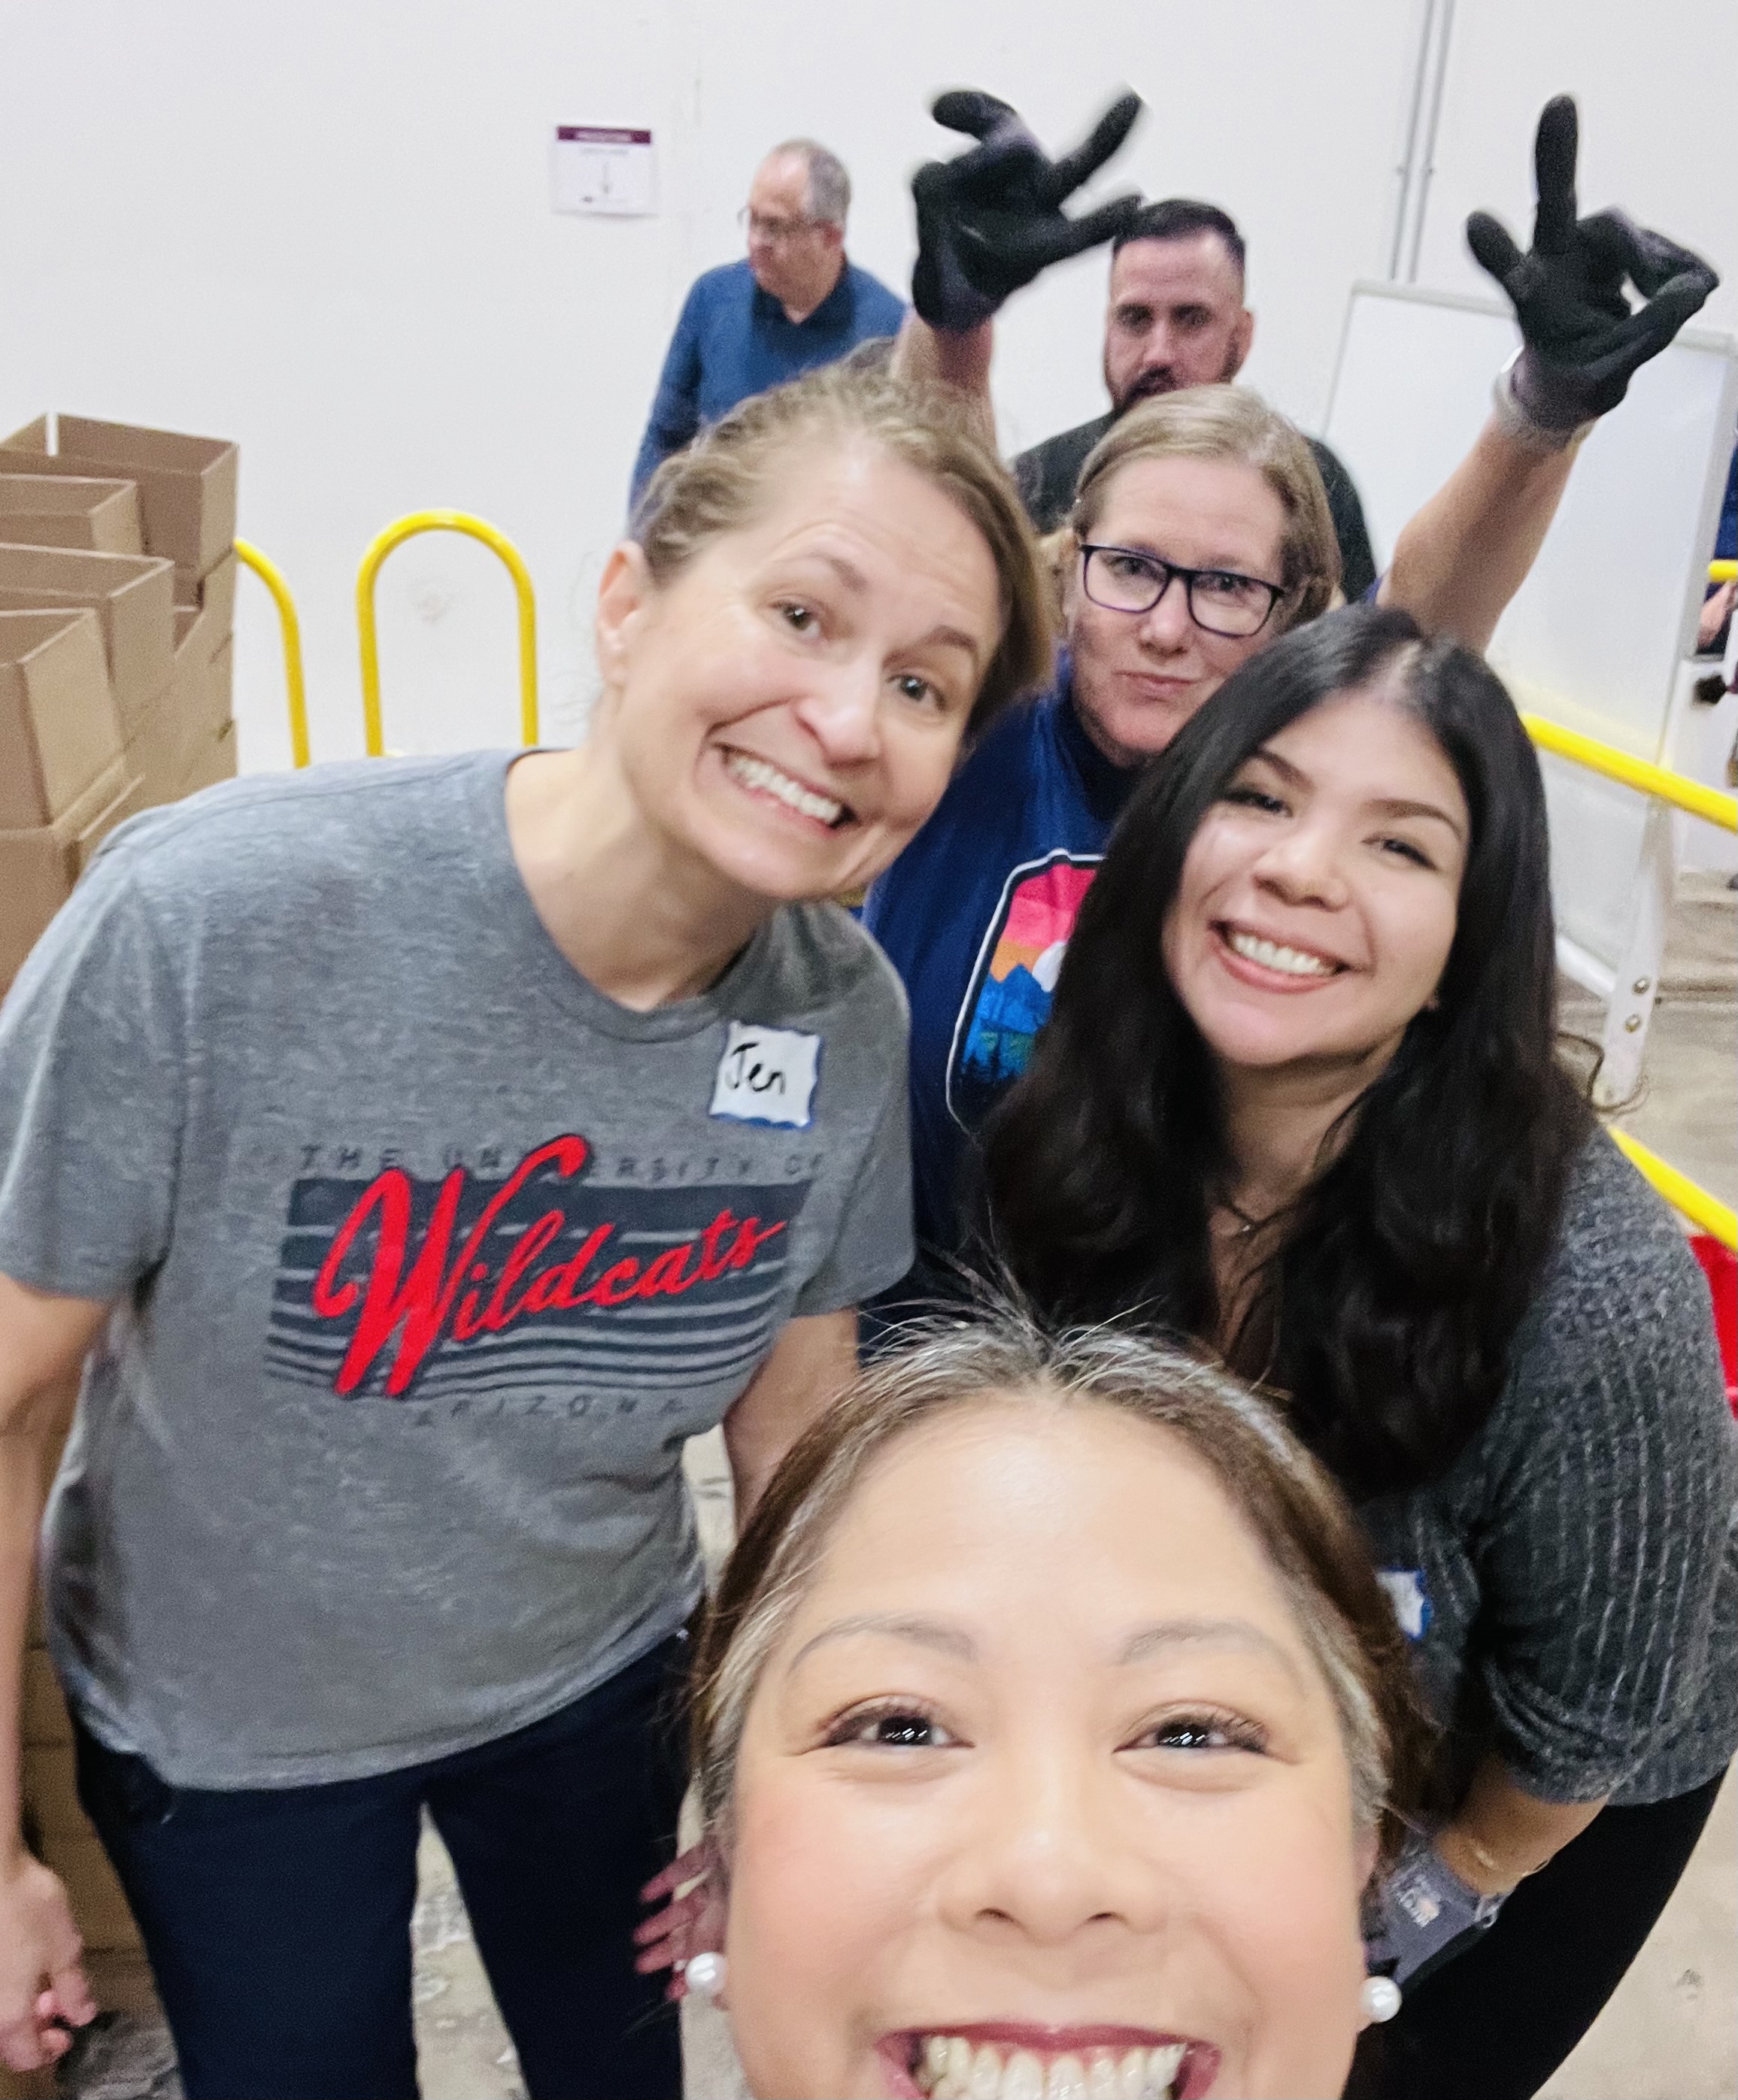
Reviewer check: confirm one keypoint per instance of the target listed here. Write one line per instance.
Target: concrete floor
(1671, 2031)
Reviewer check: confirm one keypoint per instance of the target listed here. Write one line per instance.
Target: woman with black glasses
(1201, 534)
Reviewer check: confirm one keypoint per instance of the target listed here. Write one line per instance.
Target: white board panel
(1596, 634)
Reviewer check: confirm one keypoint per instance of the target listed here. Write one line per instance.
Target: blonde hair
(731, 473)
(1305, 1529)
(1228, 423)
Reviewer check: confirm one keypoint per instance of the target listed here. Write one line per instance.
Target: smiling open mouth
(956, 2065)
(761, 778)
(1277, 956)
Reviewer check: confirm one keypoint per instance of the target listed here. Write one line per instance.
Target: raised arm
(939, 357)
(989, 221)
(1463, 557)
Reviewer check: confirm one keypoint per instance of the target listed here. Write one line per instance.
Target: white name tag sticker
(1409, 1598)
(767, 1075)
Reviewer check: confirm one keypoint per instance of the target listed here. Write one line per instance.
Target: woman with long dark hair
(1299, 1098)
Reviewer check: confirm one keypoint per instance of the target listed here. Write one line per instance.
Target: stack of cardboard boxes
(117, 588)
(118, 580)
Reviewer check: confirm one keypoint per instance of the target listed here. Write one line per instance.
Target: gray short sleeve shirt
(428, 1257)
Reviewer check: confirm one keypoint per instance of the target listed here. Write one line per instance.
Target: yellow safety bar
(1723, 572)
(1679, 1190)
(272, 577)
(1683, 1193)
(478, 529)
(1637, 772)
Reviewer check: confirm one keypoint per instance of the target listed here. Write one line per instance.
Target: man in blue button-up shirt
(795, 303)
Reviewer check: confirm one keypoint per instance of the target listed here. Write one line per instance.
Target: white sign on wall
(603, 168)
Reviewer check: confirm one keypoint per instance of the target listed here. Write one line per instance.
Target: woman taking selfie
(1049, 1722)
(1299, 1098)
(425, 1151)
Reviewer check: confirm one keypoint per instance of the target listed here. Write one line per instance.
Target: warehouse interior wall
(325, 231)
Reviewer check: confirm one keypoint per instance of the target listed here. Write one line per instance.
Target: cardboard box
(45, 1715)
(213, 764)
(187, 486)
(212, 602)
(39, 866)
(58, 726)
(170, 741)
(39, 511)
(97, 1904)
(132, 595)
(28, 2085)
(223, 682)
(50, 1791)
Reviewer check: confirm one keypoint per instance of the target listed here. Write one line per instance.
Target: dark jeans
(1497, 2021)
(278, 1921)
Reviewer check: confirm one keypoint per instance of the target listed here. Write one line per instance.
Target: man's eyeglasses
(1124, 580)
(775, 230)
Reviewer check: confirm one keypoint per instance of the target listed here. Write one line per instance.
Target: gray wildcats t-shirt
(429, 1258)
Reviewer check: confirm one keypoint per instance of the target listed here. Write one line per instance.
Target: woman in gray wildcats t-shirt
(422, 1152)
(1299, 1096)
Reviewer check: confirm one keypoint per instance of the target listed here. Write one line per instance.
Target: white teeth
(984, 2082)
(756, 773)
(1066, 2080)
(949, 2068)
(1023, 2077)
(1295, 961)
(1162, 2065)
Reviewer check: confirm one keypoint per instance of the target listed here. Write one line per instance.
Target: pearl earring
(1380, 1996)
(705, 1973)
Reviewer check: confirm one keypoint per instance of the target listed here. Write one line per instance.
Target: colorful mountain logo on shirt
(1009, 1000)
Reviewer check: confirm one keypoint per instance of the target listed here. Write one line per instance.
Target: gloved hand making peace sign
(1583, 344)
(991, 219)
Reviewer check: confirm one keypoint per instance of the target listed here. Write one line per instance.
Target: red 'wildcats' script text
(405, 1279)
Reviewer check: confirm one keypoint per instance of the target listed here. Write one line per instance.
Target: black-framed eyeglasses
(1126, 579)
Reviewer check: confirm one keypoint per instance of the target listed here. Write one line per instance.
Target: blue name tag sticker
(767, 1075)
(1407, 1594)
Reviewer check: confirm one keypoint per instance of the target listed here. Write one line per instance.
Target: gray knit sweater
(1576, 1569)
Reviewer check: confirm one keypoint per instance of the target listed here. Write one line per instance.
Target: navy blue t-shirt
(975, 915)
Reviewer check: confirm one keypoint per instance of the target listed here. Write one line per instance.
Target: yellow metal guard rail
(1703, 1209)
(477, 528)
(272, 577)
(1708, 803)
(1683, 1194)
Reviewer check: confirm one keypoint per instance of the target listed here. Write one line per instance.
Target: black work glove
(990, 220)
(1583, 345)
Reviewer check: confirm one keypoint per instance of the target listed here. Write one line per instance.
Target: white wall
(325, 230)
(1658, 89)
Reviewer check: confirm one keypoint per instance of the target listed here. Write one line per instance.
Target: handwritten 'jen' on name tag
(767, 1075)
